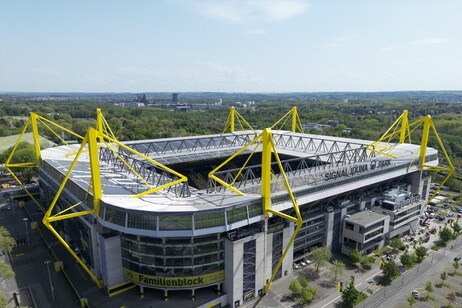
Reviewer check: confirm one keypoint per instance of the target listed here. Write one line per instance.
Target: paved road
(402, 287)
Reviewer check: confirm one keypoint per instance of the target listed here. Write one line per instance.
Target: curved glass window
(173, 257)
(139, 221)
(209, 220)
(114, 216)
(236, 215)
(175, 222)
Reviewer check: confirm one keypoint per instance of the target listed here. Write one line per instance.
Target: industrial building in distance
(197, 233)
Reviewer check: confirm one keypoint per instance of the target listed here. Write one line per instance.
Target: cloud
(255, 31)
(340, 41)
(248, 11)
(429, 41)
(421, 42)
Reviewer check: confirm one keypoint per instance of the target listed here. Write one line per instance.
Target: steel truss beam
(402, 129)
(190, 145)
(305, 166)
(97, 142)
(265, 140)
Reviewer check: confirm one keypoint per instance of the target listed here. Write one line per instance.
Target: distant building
(175, 97)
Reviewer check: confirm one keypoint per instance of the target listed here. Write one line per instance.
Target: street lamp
(27, 229)
(49, 277)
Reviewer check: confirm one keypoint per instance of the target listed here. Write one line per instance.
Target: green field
(9, 141)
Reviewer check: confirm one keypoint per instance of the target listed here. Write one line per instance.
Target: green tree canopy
(411, 300)
(355, 256)
(406, 260)
(6, 241)
(320, 256)
(420, 252)
(429, 288)
(446, 234)
(337, 269)
(295, 287)
(390, 271)
(350, 295)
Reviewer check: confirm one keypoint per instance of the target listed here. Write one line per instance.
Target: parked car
(441, 218)
(436, 209)
(457, 258)
(416, 294)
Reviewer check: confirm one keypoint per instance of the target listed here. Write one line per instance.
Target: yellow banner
(174, 282)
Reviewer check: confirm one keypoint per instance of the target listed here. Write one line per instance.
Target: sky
(230, 45)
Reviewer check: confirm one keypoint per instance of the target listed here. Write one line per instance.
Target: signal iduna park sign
(351, 171)
(173, 282)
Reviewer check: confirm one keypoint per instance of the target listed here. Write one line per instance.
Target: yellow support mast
(265, 140)
(296, 123)
(231, 123)
(403, 129)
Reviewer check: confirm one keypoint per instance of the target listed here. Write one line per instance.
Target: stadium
(230, 211)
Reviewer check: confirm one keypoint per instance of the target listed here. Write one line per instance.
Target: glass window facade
(173, 257)
(236, 215)
(175, 222)
(137, 221)
(209, 220)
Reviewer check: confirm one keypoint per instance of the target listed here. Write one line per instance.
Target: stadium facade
(196, 233)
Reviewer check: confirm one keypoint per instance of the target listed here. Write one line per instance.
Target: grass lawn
(9, 141)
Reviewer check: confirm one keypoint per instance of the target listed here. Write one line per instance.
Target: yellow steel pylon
(230, 122)
(33, 121)
(402, 129)
(265, 140)
(295, 121)
(93, 140)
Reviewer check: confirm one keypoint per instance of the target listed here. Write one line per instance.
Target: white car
(416, 294)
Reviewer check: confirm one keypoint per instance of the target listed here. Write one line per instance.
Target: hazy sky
(230, 45)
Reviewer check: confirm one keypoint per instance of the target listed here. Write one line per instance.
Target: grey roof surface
(365, 218)
(120, 187)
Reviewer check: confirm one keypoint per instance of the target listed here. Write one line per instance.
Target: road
(402, 286)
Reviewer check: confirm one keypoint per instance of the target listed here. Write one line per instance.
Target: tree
(446, 235)
(411, 300)
(406, 261)
(337, 269)
(457, 228)
(356, 256)
(303, 282)
(390, 271)
(367, 260)
(396, 243)
(24, 153)
(456, 266)
(295, 287)
(306, 295)
(5, 271)
(6, 241)
(443, 277)
(320, 256)
(421, 252)
(350, 295)
(313, 290)
(429, 288)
